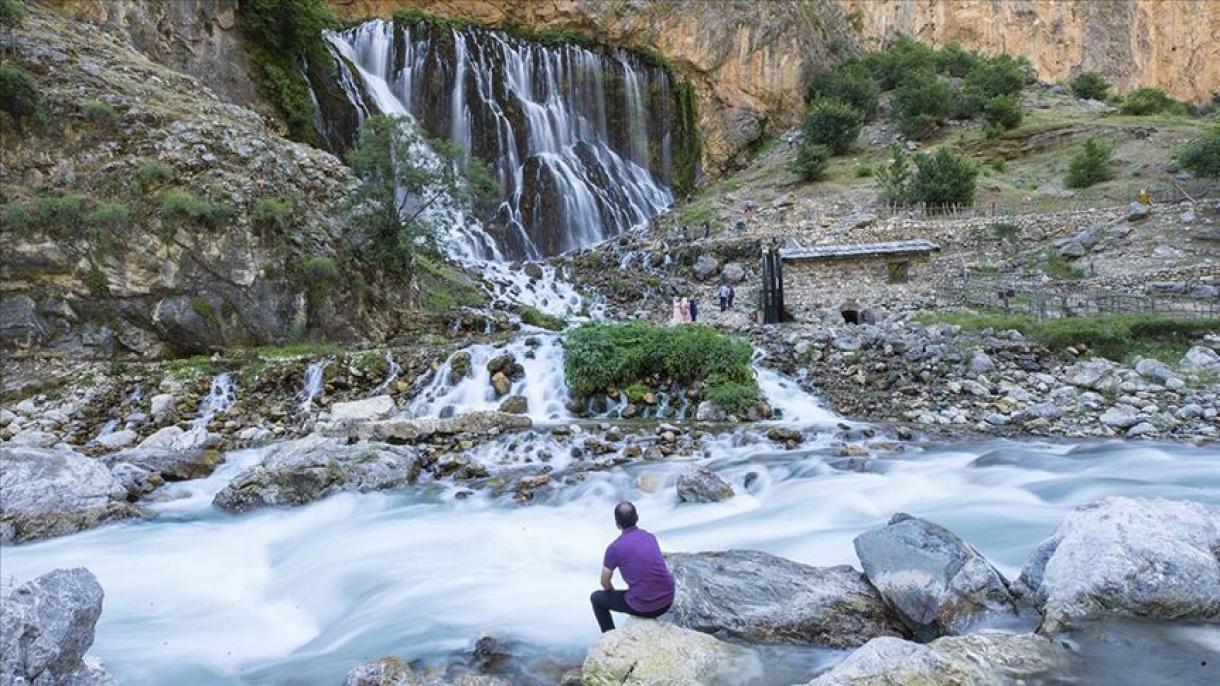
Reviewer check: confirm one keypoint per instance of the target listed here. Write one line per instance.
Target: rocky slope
(1168, 45)
(122, 129)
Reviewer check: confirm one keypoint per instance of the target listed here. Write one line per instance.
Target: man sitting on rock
(635, 553)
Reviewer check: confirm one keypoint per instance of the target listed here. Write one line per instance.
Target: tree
(1145, 101)
(1000, 75)
(921, 105)
(1091, 164)
(18, 91)
(811, 160)
(1202, 156)
(943, 178)
(1090, 86)
(834, 124)
(408, 185)
(851, 82)
(895, 178)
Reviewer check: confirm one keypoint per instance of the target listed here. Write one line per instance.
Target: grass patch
(1117, 337)
(536, 317)
(697, 213)
(444, 289)
(600, 356)
(189, 368)
(299, 349)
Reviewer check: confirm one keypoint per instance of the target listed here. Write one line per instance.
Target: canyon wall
(1169, 44)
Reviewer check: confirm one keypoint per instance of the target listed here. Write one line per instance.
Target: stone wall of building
(820, 284)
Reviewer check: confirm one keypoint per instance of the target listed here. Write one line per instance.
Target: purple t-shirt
(638, 557)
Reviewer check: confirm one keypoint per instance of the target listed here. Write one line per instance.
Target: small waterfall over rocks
(582, 141)
(393, 369)
(312, 385)
(222, 393)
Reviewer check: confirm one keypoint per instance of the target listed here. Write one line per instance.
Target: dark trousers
(724, 304)
(605, 601)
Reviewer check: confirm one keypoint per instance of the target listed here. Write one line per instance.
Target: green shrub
(698, 213)
(1003, 110)
(998, 164)
(850, 82)
(1006, 232)
(1090, 86)
(862, 170)
(920, 105)
(16, 219)
(153, 173)
(1058, 267)
(895, 178)
(810, 162)
(18, 91)
(101, 113)
(1145, 101)
(832, 123)
(111, 217)
(601, 356)
(957, 61)
(273, 213)
(905, 60)
(1201, 156)
(536, 317)
(321, 273)
(180, 208)
(1091, 164)
(967, 103)
(95, 281)
(12, 12)
(943, 178)
(60, 216)
(999, 75)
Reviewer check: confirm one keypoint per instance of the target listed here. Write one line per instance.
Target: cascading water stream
(222, 393)
(579, 139)
(393, 369)
(312, 385)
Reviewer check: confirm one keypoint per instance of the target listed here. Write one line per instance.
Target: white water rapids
(195, 596)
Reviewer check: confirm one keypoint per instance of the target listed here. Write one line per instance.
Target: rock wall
(830, 283)
(1170, 44)
(750, 62)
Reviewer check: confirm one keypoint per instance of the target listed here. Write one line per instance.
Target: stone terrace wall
(810, 285)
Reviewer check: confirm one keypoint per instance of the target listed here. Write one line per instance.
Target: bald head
(625, 515)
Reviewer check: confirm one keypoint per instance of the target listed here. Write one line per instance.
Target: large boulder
(895, 662)
(175, 438)
(705, 267)
(649, 653)
(405, 429)
(702, 485)
(171, 465)
(304, 470)
(936, 583)
(733, 272)
(756, 596)
(1200, 357)
(363, 410)
(55, 491)
(1132, 557)
(46, 627)
(392, 671)
(983, 659)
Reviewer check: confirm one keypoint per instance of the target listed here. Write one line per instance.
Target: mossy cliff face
(1169, 45)
(749, 63)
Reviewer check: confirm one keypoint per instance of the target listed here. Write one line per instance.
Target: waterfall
(393, 369)
(579, 139)
(221, 394)
(312, 385)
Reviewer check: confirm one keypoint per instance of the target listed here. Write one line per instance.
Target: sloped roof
(839, 251)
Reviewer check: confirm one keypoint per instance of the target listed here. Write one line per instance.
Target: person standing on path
(694, 310)
(732, 294)
(637, 556)
(676, 314)
(684, 310)
(723, 294)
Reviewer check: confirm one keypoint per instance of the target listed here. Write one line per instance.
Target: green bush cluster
(810, 162)
(321, 273)
(1058, 267)
(1118, 337)
(1090, 86)
(153, 173)
(273, 213)
(60, 216)
(833, 124)
(852, 83)
(939, 178)
(1091, 164)
(286, 35)
(535, 317)
(180, 208)
(920, 106)
(1201, 156)
(1146, 101)
(603, 356)
(18, 91)
(12, 13)
(101, 113)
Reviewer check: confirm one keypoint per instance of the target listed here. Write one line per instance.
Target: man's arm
(607, 577)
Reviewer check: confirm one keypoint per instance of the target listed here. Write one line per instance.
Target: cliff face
(749, 62)
(1170, 44)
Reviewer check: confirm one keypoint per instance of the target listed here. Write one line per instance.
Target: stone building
(887, 274)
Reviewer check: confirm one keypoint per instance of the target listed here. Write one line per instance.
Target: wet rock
(170, 465)
(137, 481)
(533, 270)
(161, 406)
(173, 438)
(363, 410)
(702, 485)
(388, 671)
(515, 404)
(705, 267)
(501, 383)
(755, 596)
(55, 491)
(893, 661)
(46, 628)
(649, 653)
(708, 411)
(790, 437)
(1131, 557)
(459, 367)
(307, 469)
(1090, 373)
(1142, 429)
(405, 429)
(34, 438)
(1120, 417)
(117, 439)
(934, 581)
